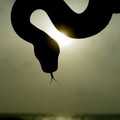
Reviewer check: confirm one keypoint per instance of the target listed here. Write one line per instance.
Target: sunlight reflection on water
(57, 118)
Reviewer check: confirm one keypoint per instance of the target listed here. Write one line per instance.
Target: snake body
(93, 20)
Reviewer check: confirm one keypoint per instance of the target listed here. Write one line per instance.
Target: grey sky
(88, 75)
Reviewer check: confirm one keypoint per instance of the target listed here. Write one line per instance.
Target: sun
(60, 37)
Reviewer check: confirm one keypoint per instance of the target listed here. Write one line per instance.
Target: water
(57, 117)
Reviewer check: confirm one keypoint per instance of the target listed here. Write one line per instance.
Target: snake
(88, 23)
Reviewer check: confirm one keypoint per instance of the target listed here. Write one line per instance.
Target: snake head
(47, 53)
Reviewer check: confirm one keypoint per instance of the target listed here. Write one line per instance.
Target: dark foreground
(58, 117)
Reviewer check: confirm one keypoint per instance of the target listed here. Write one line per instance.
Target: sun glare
(40, 19)
(60, 37)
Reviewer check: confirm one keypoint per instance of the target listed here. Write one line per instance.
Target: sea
(59, 117)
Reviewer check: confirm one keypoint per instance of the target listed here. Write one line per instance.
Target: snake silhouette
(93, 20)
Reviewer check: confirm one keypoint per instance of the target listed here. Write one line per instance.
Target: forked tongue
(52, 78)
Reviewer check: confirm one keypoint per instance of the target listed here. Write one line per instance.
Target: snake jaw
(52, 78)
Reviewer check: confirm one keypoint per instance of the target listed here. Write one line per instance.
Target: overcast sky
(88, 75)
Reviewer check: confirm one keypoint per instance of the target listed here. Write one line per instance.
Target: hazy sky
(88, 75)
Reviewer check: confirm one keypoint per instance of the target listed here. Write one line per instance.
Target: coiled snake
(93, 20)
